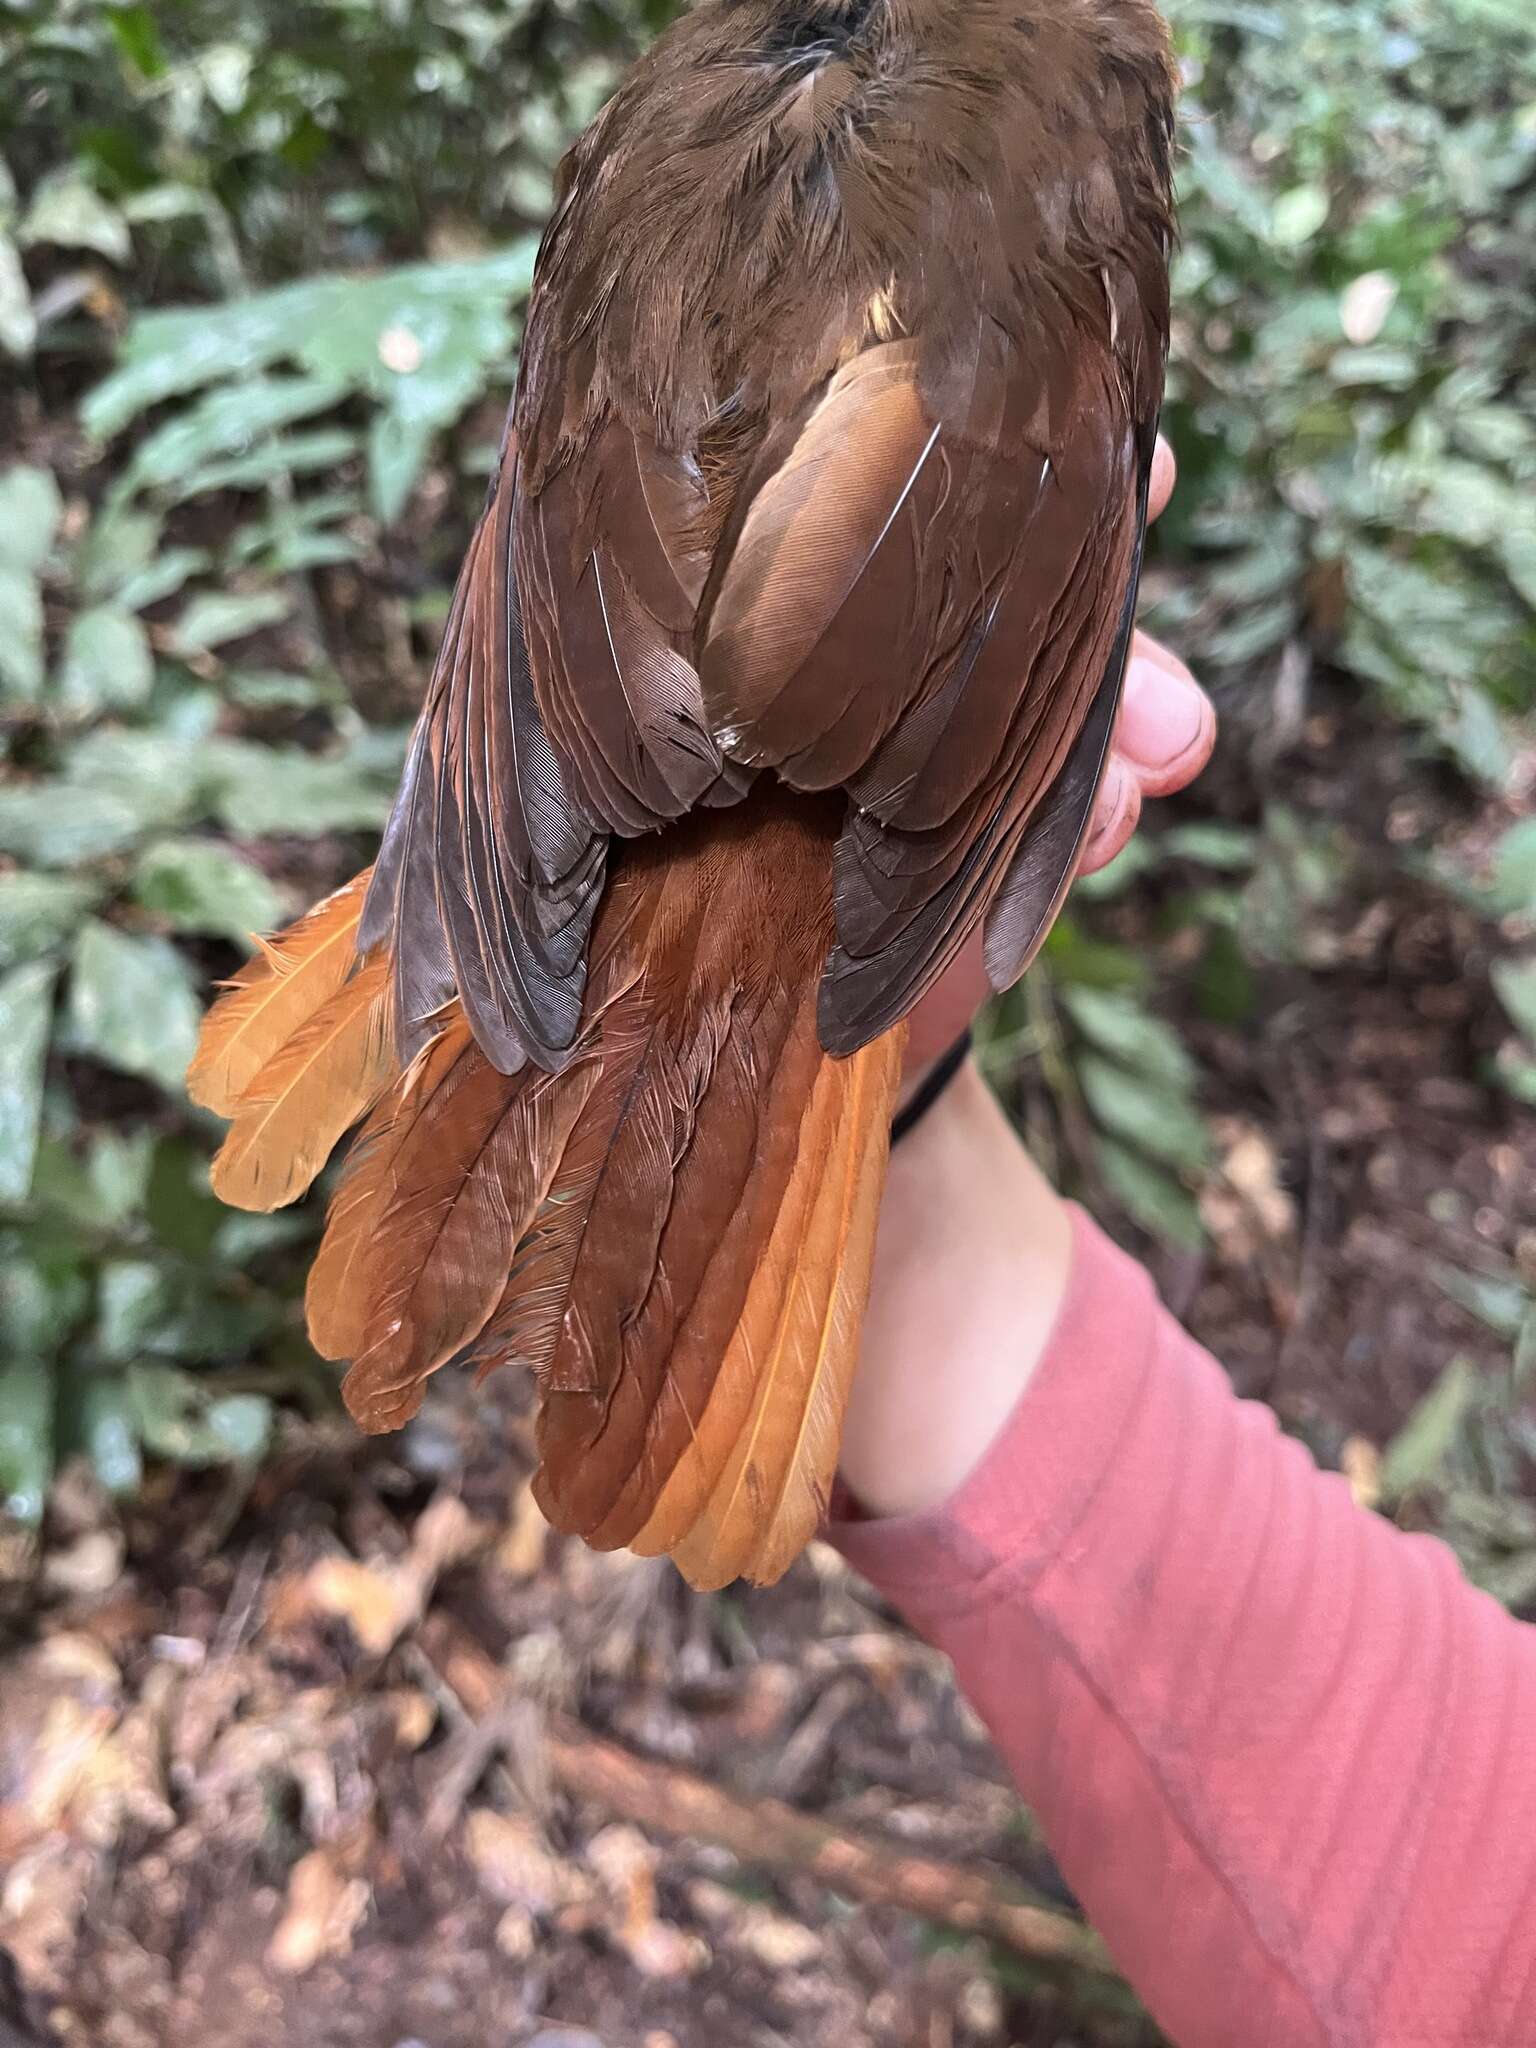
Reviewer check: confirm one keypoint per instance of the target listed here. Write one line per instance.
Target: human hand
(975, 1245)
(1164, 738)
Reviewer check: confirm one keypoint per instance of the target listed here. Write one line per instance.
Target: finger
(1115, 817)
(1167, 723)
(1165, 474)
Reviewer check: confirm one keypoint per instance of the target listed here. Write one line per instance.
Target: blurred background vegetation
(261, 271)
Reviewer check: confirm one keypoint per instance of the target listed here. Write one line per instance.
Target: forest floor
(353, 1754)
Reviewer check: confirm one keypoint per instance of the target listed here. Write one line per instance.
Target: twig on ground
(771, 1835)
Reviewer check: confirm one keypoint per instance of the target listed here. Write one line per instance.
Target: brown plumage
(786, 654)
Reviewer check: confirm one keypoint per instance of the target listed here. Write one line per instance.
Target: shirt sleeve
(1284, 1753)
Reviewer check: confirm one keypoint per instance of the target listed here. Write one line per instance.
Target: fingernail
(1115, 793)
(1163, 714)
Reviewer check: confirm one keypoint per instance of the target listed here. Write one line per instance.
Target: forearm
(970, 1269)
(1282, 1752)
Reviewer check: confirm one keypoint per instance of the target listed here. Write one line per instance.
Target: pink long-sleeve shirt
(1283, 1753)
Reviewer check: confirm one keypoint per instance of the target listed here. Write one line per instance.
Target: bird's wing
(928, 605)
(491, 867)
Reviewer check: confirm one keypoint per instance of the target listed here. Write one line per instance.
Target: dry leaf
(323, 1911)
(521, 1549)
(1360, 1462)
(517, 1866)
(379, 1602)
(411, 1715)
(626, 1863)
(1244, 1206)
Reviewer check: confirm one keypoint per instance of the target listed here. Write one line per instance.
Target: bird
(784, 661)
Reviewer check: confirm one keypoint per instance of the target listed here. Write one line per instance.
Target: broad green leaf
(179, 1206)
(133, 30)
(1514, 871)
(332, 326)
(132, 1296)
(68, 212)
(263, 790)
(26, 1009)
(216, 617)
(1124, 1029)
(30, 511)
(43, 1298)
(200, 886)
(227, 421)
(160, 773)
(1150, 1195)
(179, 1419)
(1515, 981)
(1502, 1304)
(18, 323)
(131, 1004)
(64, 822)
(1227, 847)
(38, 913)
(280, 459)
(1144, 1113)
(162, 577)
(107, 663)
(21, 635)
(1297, 215)
(26, 1439)
(118, 1168)
(1417, 1455)
(121, 543)
(108, 1433)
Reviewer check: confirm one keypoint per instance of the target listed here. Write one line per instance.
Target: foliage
(260, 276)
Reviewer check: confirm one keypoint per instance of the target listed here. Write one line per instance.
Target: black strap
(939, 1076)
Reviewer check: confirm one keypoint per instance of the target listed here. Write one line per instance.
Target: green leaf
(218, 616)
(38, 913)
(30, 511)
(180, 1420)
(42, 1299)
(158, 772)
(332, 326)
(71, 214)
(1417, 1455)
(1150, 1196)
(108, 1433)
(132, 1300)
(200, 886)
(1297, 215)
(18, 323)
(21, 635)
(133, 29)
(120, 543)
(1123, 1028)
(226, 421)
(107, 662)
(118, 1169)
(1144, 1113)
(131, 1004)
(162, 577)
(60, 825)
(26, 1440)
(1502, 1304)
(262, 790)
(1515, 981)
(26, 1009)
(1226, 847)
